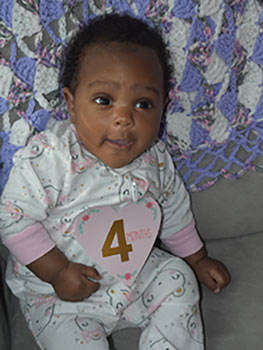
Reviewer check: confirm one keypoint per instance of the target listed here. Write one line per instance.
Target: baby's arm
(180, 236)
(24, 206)
(188, 246)
(212, 273)
(34, 248)
(71, 281)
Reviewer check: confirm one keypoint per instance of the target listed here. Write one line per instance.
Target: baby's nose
(123, 116)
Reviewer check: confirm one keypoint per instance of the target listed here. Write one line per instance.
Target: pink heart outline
(141, 222)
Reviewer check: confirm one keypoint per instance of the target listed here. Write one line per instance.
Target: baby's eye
(103, 100)
(143, 104)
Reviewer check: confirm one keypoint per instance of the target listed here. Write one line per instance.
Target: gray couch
(229, 218)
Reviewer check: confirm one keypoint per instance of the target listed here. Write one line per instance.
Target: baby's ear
(69, 99)
(166, 101)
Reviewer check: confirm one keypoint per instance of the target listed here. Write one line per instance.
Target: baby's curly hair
(120, 28)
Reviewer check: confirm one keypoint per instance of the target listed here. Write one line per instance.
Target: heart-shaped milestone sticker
(120, 241)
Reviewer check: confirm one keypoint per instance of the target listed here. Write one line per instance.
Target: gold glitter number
(117, 228)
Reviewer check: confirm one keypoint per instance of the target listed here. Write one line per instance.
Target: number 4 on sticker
(117, 229)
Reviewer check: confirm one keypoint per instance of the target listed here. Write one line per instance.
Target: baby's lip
(120, 142)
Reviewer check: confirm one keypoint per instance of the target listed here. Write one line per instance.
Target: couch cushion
(230, 208)
(5, 336)
(233, 319)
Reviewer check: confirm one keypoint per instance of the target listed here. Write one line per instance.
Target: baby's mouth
(122, 143)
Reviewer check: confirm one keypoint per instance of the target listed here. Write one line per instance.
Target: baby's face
(119, 101)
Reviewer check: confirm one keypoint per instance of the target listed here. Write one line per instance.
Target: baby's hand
(212, 273)
(76, 282)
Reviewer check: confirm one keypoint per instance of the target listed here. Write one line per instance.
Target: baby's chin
(118, 160)
(117, 164)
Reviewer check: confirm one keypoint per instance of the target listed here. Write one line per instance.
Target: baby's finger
(209, 282)
(91, 273)
(91, 286)
(87, 288)
(222, 278)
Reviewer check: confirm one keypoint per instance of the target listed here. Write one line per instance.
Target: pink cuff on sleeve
(185, 242)
(30, 244)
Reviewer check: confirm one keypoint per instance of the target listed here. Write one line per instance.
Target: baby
(115, 83)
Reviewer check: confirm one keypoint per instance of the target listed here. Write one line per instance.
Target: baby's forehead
(137, 61)
(120, 51)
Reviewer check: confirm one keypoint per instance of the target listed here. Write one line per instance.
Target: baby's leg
(169, 308)
(57, 326)
(175, 325)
